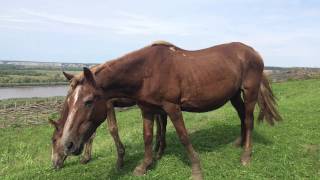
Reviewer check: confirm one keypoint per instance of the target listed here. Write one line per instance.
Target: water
(32, 91)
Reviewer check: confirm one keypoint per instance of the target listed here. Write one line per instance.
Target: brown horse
(58, 156)
(163, 78)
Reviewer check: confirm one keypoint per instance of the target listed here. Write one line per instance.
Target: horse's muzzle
(58, 163)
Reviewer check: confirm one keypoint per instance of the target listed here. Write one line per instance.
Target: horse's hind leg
(87, 150)
(113, 129)
(250, 100)
(238, 104)
(161, 120)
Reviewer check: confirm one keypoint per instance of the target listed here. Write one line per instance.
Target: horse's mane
(65, 110)
(63, 113)
(108, 64)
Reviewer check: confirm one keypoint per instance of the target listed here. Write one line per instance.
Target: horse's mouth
(59, 164)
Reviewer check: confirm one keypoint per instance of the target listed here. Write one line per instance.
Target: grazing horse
(164, 78)
(58, 156)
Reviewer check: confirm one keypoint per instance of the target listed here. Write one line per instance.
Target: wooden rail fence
(29, 113)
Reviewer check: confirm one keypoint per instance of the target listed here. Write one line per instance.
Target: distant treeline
(17, 75)
(32, 84)
(5, 72)
(273, 68)
(21, 67)
(15, 80)
(288, 68)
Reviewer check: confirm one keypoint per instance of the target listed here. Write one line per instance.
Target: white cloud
(61, 18)
(119, 23)
(139, 24)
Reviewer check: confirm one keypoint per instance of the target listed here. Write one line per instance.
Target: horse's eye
(54, 140)
(88, 103)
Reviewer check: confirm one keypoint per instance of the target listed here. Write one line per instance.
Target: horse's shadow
(203, 140)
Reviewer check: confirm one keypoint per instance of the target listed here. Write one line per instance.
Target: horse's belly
(207, 98)
(202, 106)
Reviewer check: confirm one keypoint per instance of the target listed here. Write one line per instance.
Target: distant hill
(279, 74)
(6, 64)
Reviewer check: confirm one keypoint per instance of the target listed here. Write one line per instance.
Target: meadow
(289, 150)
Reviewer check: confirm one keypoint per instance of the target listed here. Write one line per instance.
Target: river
(32, 91)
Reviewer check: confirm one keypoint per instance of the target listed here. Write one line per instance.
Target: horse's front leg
(113, 129)
(147, 136)
(87, 150)
(175, 114)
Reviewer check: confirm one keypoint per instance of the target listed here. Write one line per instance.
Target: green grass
(290, 150)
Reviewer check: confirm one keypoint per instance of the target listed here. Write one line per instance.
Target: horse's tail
(267, 103)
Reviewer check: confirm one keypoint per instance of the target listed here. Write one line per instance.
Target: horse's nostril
(69, 145)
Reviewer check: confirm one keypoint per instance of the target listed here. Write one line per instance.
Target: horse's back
(233, 61)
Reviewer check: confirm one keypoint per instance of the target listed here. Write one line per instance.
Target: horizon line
(106, 61)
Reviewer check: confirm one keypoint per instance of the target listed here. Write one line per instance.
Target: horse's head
(58, 156)
(84, 110)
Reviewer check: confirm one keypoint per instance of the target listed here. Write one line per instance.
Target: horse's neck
(122, 77)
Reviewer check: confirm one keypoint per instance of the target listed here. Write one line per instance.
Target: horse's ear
(53, 123)
(68, 76)
(89, 76)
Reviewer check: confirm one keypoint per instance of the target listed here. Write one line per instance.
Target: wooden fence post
(4, 122)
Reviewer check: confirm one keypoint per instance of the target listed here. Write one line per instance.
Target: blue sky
(286, 33)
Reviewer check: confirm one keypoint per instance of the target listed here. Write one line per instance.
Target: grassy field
(290, 150)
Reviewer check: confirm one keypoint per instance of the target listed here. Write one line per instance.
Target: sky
(285, 33)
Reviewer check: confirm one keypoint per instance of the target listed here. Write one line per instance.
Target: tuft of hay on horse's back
(161, 42)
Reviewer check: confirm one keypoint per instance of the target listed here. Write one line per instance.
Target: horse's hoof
(120, 164)
(156, 147)
(196, 172)
(159, 155)
(246, 158)
(139, 171)
(57, 167)
(197, 176)
(245, 162)
(238, 142)
(85, 160)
